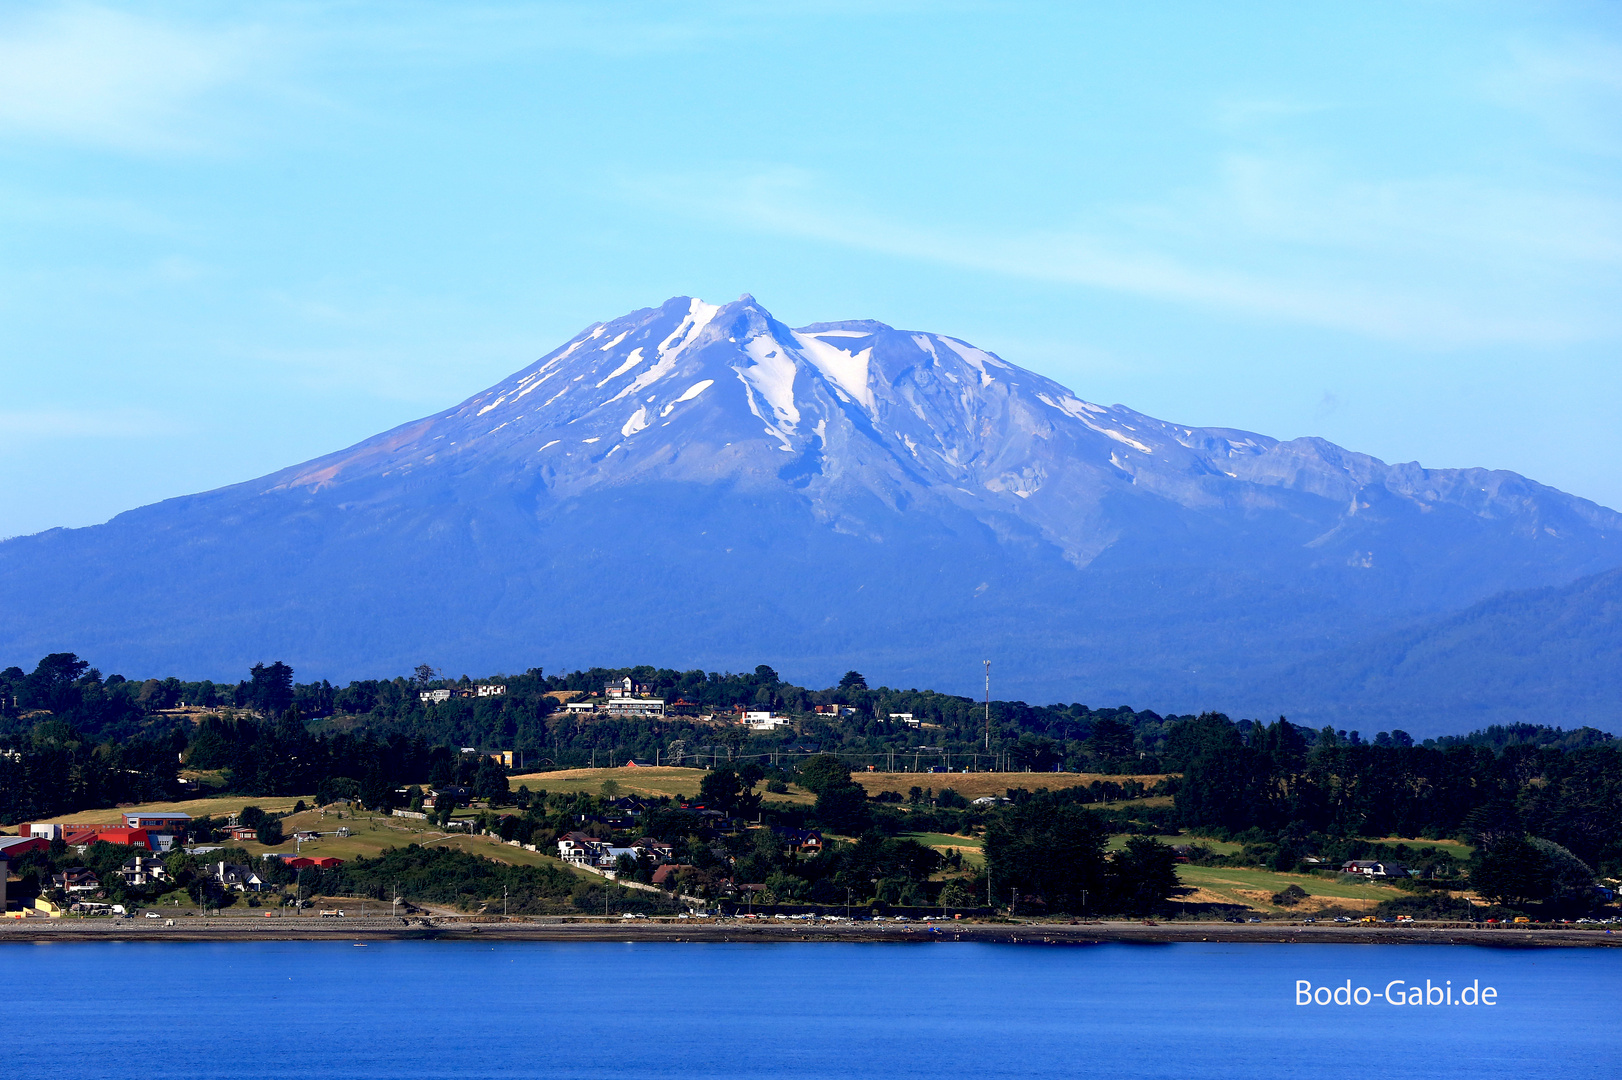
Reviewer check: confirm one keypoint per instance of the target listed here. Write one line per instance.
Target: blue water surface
(523, 1009)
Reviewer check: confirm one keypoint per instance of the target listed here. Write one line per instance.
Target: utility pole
(988, 705)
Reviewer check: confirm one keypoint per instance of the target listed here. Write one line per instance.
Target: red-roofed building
(665, 875)
(128, 837)
(15, 847)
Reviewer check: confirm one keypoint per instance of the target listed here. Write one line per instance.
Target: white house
(624, 688)
(903, 717)
(491, 689)
(434, 697)
(142, 870)
(763, 721)
(577, 707)
(583, 850)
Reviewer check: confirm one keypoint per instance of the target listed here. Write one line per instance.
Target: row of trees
(1273, 779)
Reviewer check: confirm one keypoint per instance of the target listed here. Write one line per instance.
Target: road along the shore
(486, 928)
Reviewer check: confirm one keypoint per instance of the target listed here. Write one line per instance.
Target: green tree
(823, 771)
(490, 783)
(1511, 871)
(376, 793)
(730, 789)
(1111, 738)
(955, 894)
(270, 691)
(270, 832)
(1143, 875)
(1050, 850)
(843, 808)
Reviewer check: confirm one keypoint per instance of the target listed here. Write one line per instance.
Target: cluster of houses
(439, 697)
(603, 856)
(627, 697)
(153, 831)
(156, 833)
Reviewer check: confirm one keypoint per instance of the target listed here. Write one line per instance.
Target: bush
(1290, 896)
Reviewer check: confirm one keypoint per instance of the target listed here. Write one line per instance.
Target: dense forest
(1541, 804)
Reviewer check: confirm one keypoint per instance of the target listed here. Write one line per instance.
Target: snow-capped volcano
(847, 412)
(697, 484)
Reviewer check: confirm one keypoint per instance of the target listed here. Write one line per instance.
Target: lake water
(786, 1011)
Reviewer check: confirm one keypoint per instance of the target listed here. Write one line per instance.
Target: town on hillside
(602, 790)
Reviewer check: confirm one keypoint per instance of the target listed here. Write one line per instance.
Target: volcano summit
(701, 486)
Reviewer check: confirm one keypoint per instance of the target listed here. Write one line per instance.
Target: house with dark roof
(143, 870)
(76, 879)
(1373, 868)
(806, 840)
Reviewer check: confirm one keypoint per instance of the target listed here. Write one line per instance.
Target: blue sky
(233, 237)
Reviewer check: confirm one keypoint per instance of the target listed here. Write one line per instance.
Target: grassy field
(370, 834)
(1455, 848)
(976, 785)
(215, 808)
(967, 846)
(1235, 885)
(664, 780)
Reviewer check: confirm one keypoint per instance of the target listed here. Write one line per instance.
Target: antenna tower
(988, 706)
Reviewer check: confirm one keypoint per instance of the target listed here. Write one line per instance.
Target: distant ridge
(698, 483)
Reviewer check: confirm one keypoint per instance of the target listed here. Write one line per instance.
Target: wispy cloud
(1573, 88)
(104, 77)
(1432, 263)
(34, 425)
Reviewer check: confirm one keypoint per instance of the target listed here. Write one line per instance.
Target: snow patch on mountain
(771, 375)
(630, 362)
(636, 423)
(688, 395)
(848, 371)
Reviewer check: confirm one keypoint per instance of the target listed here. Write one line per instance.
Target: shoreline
(361, 930)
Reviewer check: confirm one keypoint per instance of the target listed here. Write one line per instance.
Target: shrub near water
(448, 876)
